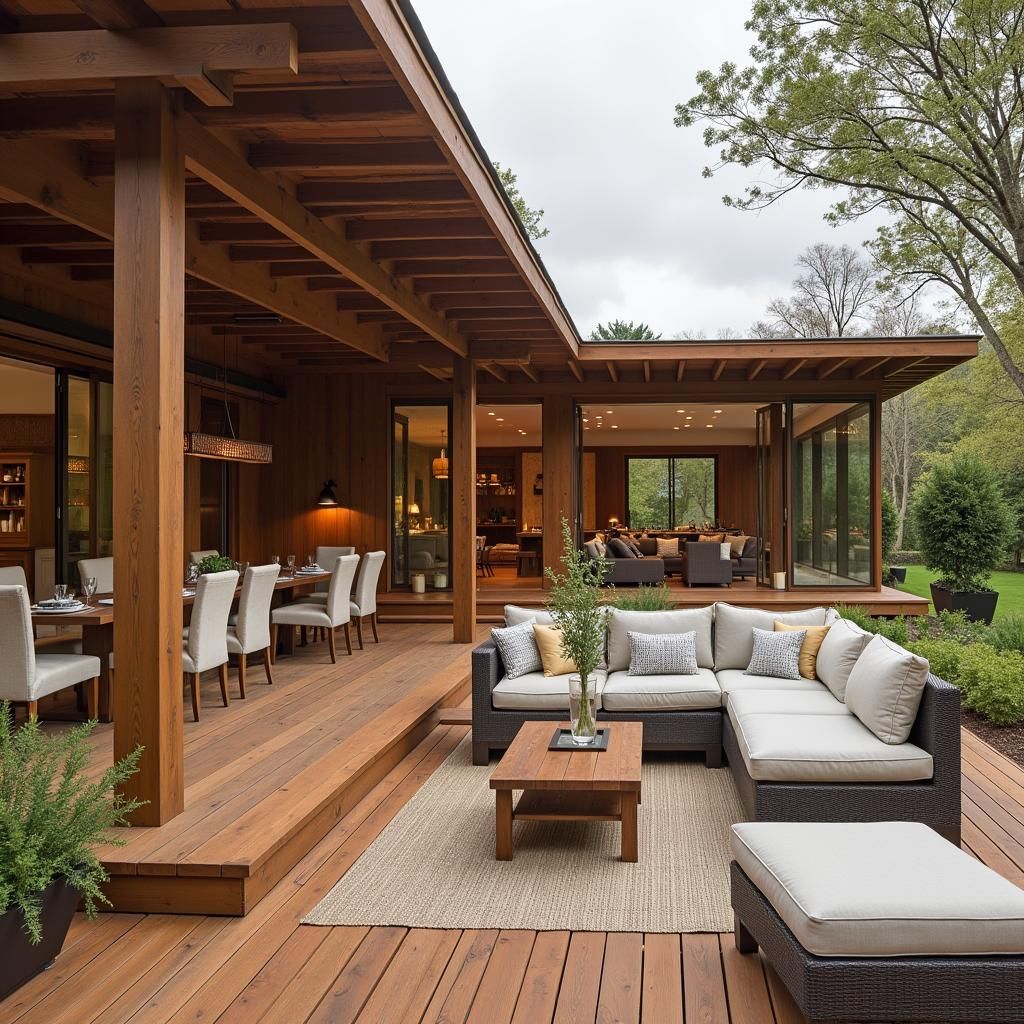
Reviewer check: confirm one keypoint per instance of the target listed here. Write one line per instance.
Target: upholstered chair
(13, 576)
(250, 633)
(364, 602)
(100, 568)
(706, 565)
(325, 558)
(195, 557)
(28, 676)
(206, 638)
(330, 614)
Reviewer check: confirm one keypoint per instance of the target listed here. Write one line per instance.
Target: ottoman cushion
(880, 889)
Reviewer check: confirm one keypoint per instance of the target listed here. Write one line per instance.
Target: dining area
(238, 617)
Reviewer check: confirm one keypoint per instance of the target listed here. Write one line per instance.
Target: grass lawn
(1009, 584)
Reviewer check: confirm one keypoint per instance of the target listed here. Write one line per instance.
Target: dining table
(96, 621)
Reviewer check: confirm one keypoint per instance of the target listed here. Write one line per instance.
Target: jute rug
(433, 866)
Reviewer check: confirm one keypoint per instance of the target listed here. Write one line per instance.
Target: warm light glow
(615, 426)
(78, 464)
(439, 467)
(228, 449)
(680, 410)
(490, 414)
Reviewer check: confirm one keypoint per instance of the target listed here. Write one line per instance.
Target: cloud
(578, 98)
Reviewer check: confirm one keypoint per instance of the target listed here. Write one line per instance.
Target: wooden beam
(647, 371)
(454, 268)
(829, 367)
(496, 371)
(149, 364)
(680, 370)
(530, 372)
(755, 368)
(437, 249)
(557, 430)
(576, 370)
(613, 372)
(206, 156)
(868, 366)
(362, 193)
(440, 286)
(500, 351)
(417, 227)
(719, 369)
(450, 300)
(793, 368)
(357, 157)
(82, 257)
(97, 54)
(119, 15)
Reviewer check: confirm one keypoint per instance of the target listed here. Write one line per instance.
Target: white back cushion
(515, 615)
(734, 630)
(838, 653)
(102, 569)
(885, 687)
(207, 643)
(17, 648)
(680, 620)
(366, 584)
(252, 627)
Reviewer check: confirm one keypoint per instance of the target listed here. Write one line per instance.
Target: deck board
(268, 968)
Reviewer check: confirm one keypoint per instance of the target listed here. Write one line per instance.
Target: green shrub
(890, 525)
(52, 815)
(1007, 633)
(214, 563)
(956, 626)
(943, 657)
(647, 597)
(895, 630)
(963, 521)
(907, 558)
(857, 615)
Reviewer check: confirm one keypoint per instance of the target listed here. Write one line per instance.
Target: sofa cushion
(618, 548)
(516, 614)
(838, 653)
(884, 689)
(593, 550)
(680, 620)
(549, 643)
(538, 692)
(518, 649)
(733, 680)
(668, 547)
(874, 889)
(776, 654)
(625, 692)
(734, 637)
(824, 748)
(813, 635)
(737, 543)
(662, 654)
(784, 702)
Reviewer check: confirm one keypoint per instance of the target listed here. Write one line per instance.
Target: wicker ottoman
(879, 921)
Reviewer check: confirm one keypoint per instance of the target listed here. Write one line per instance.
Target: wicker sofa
(796, 751)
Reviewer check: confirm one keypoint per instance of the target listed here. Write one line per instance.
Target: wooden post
(875, 436)
(149, 301)
(463, 482)
(558, 439)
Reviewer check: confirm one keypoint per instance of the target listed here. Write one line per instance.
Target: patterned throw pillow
(776, 654)
(668, 547)
(662, 654)
(518, 649)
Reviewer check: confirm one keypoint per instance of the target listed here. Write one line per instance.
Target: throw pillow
(634, 547)
(776, 654)
(838, 653)
(549, 643)
(618, 548)
(662, 654)
(885, 687)
(737, 544)
(668, 547)
(711, 538)
(518, 649)
(809, 650)
(593, 550)
(601, 546)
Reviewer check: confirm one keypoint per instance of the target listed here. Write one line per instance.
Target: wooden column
(557, 438)
(149, 282)
(875, 427)
(463, 483)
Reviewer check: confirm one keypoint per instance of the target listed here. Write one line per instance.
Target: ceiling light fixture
(439, 467)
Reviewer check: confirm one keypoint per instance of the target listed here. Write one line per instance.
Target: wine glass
(60, 593)
(291, 565)
(192, 575)
(275, 559)
(89, 589)
(310, 561)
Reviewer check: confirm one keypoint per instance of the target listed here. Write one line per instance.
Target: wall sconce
(613, 523)
(328, 498)
(414, 509)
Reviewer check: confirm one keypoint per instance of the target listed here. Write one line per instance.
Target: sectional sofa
(797, 751)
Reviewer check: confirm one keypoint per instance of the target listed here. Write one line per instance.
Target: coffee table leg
(630, 842)
(503, 824)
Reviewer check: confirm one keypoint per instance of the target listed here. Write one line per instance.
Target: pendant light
(439, 467)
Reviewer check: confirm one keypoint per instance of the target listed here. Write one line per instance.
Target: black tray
(562, 740)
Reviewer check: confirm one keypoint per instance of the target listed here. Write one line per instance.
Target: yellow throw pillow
(549, 643)
(808, 649)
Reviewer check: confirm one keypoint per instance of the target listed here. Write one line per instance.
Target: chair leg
(273, 642)
(373, 623)
(80, 696)
(348, 637)
(267, 662)
(302, 636)
(32, 708)
(241, 675)
(92, 698)
(222, 671)
(194, 681)
(359, 630)
(330, 644)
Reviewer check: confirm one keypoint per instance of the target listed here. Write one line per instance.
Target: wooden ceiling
(393, 240)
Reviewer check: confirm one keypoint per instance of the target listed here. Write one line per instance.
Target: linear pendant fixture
(230, 449)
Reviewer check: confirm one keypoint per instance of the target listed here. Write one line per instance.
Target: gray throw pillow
(618, 548)
(776, 654)
(662, 654)
(518, 649)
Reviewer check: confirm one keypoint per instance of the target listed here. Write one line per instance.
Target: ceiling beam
(680, 370)
(576, 370)
(869, 366)
(613, 372)
(209, 158)
(361, 193)
(119, 15)
(357, 157)
(719, 369)
(793, 368)
(481, 285)
(829, 367)
(453, 267)
(496, 371)
(647, 371)
(426, 227)
(530, 372)
(754, 371)
(436, 248)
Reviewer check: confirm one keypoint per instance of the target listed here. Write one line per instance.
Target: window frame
(670, 459)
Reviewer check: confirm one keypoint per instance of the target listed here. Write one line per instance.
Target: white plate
(106, 600)
(69, 610)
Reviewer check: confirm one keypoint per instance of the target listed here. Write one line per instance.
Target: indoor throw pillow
(776, 654)
(518, 649)
(662, 654)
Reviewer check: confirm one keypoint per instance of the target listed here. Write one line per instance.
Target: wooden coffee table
(564, 785)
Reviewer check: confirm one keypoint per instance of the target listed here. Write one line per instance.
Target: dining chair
(13, 576)
(250, 633)
(195, 557)
(364, 603)
(334, 612)
(325, 557)
(100, 568)
(206, 644)
(28, 676)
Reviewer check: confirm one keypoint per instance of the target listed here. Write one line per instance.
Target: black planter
(899, 573)
(21, 960)
(977, 605)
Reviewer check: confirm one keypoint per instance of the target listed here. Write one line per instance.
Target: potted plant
(214, 563)
(52, 816)
(576, 609)
(890, 524)
(963, 523)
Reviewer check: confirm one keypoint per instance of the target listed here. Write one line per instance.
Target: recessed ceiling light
(675, 428)
(585, 420)
(680, 410)
(501, 419)
(490, 414)
(610, 413)
(686, 424)
(710, 424)
(718, 410)
(615, 426)
(689, 417)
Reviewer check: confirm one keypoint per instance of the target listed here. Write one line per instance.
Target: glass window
(77, 541)
(670, 492)
(833, 540)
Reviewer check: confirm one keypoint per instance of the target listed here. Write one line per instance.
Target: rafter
(119, 15)
(647, 371)
(793, 368)
(830, 367)
(719, 369)
(755, 368)
(680, 370)
(613, 372)
(576, 370)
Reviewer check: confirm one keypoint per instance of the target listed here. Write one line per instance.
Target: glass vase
(581, 710)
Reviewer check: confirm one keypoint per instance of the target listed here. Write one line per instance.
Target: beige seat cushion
(734, 680)
(880, 889)
(784, 702)
(824, 748)
(734, 630)
(885, 687)
(681, 620)
(538, 692)
(56, 671)
(623, 692)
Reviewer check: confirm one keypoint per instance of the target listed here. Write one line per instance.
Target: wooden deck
(268, 968)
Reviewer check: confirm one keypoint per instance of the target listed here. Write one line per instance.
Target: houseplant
(576, 610)
(52, 816)
(963, 523)
(214, 563)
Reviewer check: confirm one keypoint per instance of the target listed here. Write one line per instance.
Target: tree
(833, 294)
(915, 107)
(619, 330)
(530, 218)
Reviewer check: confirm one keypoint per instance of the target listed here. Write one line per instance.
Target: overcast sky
(578, 97)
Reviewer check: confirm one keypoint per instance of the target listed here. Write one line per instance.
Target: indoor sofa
(797, 750)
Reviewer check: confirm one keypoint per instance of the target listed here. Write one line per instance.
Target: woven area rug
(433, 866)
